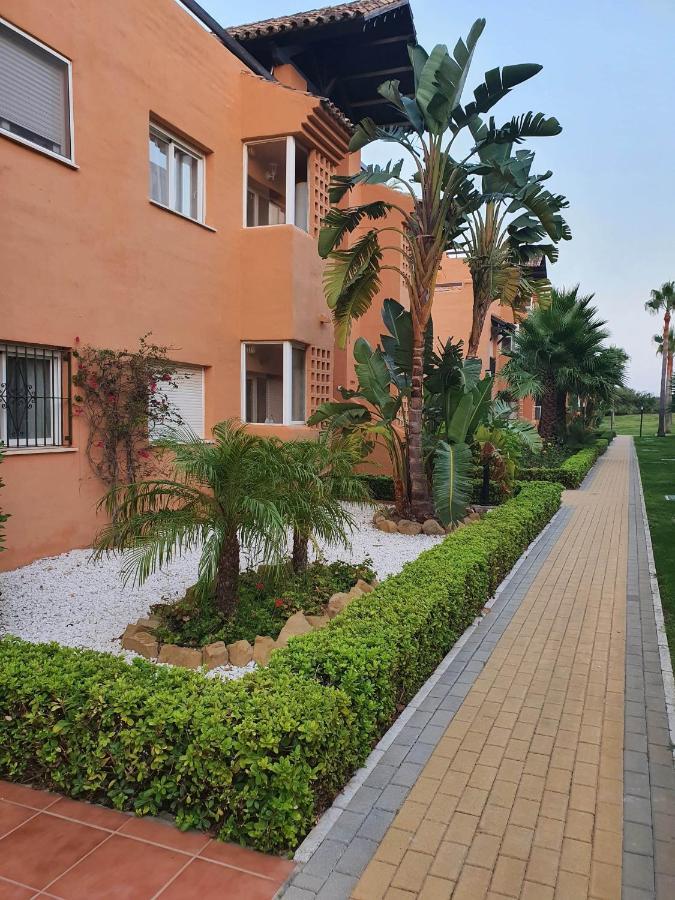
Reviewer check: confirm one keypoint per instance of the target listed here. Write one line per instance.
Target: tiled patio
(51, 846)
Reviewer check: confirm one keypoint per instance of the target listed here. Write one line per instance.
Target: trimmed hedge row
(381, 487)
(572, 471)
(254, 760)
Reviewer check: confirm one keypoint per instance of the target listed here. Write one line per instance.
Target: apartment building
(160, 174)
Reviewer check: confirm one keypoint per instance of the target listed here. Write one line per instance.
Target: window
(276, 179)
(273, 382)
(31, 403)
(186, 396)
(537, 408)
(176, 175)
(35, 93)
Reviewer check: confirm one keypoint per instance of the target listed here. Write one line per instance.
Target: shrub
(254, 760)
(572, 471)
(381, 487)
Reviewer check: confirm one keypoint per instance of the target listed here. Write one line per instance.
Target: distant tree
(629, 402)
(663, 300)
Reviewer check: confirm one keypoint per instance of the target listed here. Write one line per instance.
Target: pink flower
(166, 377)
(77, 340)
(259, 586)
(144, 454)
(278, 602)
(99, 443)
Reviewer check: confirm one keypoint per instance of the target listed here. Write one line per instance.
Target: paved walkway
(538, 765)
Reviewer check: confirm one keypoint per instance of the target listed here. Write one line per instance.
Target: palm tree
(441, 194)
(663, 300)
(224, 496)
(658, 340)
(598, 379)
(553, 349)
(325, 479)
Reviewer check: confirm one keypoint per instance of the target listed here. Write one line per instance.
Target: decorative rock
(295, 625)
(407, 526)
(473, 516)
(240, 653)
(151, 623)
(318, 621)
(355, 592)
(363, 586)
(431, 526)
(337, 603)
(187, 657)
(387, 525)
(262, 649)
(141, 642)
(130, 630)
(378, 516)
(450, 528)
(214, 655)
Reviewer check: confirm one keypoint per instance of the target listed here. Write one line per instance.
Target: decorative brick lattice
(322, 172)
(320, 377)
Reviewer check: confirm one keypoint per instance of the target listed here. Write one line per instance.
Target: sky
(609, 77)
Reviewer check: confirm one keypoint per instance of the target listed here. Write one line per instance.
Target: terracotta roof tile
(309, 19)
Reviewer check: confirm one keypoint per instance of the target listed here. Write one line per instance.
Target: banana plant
(434, 118)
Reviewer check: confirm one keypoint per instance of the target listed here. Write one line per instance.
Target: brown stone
(407, 526)
(262, 649)
(337, 603)
(318, 621)
(214, 655)
(141, 642)
(387, 525)
(431, 526)
(187, 657)
(129, 630)
(378, 516)
(240, 653)
(295, 625)
(151, 623)
(363, 586)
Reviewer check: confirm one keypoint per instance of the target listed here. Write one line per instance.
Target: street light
(642, 409)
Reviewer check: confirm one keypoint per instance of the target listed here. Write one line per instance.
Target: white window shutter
(34, 89)
(186, 399)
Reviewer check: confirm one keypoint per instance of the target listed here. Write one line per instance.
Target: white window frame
(176, 143)
(286, 378)
(70, 123)
(290, 186)
(56, 402)
(537, 411)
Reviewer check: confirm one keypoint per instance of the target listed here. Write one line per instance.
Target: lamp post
(642, 409)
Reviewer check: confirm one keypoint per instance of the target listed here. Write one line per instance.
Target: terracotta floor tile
(120, 869)
(89, 813)
(10, 891)
(166, 834)
(44, 847)
(27, 796)
(242, 858)
(203, 880)
(12, 815)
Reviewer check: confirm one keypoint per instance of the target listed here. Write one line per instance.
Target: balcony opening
(277, 190)
(274, 383)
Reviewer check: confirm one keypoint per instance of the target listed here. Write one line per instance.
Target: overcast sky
(609, 77)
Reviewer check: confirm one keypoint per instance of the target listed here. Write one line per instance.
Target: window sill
(278, 225)
(180, 215)
(32, 451)
(37, 149)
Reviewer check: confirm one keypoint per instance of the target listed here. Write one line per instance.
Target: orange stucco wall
(85, 254)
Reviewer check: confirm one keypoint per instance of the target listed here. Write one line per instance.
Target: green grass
(657, 468)
(631, 424)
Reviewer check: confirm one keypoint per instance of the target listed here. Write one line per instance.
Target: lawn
(657, 468)
(631, 424)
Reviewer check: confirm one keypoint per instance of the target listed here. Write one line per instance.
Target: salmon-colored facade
(88, 257)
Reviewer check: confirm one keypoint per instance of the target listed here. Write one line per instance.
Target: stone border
(337, 850)
(649, 774)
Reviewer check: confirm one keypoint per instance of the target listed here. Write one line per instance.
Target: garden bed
(256, 760)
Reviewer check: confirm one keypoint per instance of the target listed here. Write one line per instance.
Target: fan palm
(224, 496)
(554, 346)
(433, 119)
(670, 352)
(325, 472)
(663, 300)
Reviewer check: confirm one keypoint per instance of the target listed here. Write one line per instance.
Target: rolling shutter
(33, 90)
(187, 398)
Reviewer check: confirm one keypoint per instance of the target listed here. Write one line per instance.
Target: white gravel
(80, 603)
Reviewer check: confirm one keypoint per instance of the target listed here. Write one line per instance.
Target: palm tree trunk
(561, 413)
(664, 375)
(481, 305)
(669, 393)
(420, 502)
(300, 551)
(547, 423)
(227, 577)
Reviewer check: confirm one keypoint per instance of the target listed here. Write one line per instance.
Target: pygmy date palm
(439, 197)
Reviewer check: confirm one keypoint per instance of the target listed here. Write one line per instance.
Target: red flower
(259, 586)
(144, 454)
(278, 602)
(166, 377)
(99, 443)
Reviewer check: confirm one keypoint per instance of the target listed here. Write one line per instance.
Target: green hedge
(382, 488)
(572, 471)
(254, 760)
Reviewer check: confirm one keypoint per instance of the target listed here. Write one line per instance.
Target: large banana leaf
(372, 174)
(458, 416)
(498, 83)
(339, 222)
(351, 281)
(452, 481)
(340, 415)
(373, 377)
(482, 398)
(390, 90)
(520, 127)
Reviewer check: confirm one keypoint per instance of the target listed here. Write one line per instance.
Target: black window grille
(35, 396)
